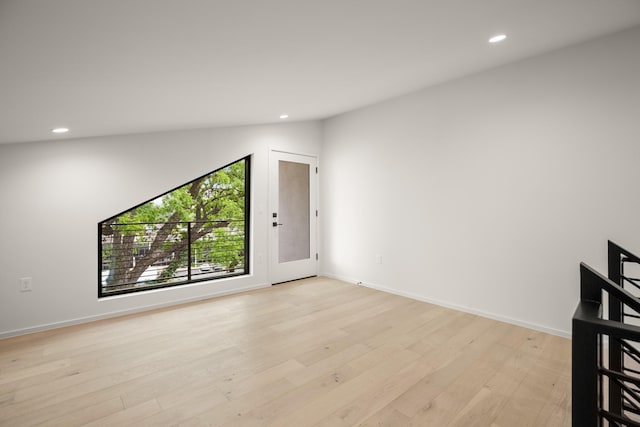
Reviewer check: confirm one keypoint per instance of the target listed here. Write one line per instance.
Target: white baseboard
(517, 322)
(87, 319)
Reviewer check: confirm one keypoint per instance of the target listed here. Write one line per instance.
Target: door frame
(314, 199)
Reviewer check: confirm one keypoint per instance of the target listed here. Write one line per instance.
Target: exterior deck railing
(140, 256)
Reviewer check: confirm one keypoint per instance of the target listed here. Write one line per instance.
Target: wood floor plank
(316, 352)
(314, 411)
(337, 371)
(451, 399)
(86, 415)
(386, 417)
(231, 412)
(374, 399)
(128, 416)
(451, 359)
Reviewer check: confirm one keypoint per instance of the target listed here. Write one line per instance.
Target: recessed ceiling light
(498, 38)
(284, 116)
(60, 130)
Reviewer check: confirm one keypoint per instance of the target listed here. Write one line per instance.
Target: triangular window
(196, 232)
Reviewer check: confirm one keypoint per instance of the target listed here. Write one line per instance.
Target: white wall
(486, 192)
(54, 193)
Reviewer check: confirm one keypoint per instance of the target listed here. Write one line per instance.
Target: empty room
(319, 213)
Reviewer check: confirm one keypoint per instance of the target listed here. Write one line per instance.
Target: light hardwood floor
(316, 352)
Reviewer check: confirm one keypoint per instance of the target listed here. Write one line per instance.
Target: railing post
(615, 314)
(189, 250)
(584, 371)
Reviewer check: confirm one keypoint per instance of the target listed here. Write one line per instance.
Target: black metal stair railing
(606, 387)
(623, 355)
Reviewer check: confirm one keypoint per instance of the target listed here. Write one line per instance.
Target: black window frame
(247, 237)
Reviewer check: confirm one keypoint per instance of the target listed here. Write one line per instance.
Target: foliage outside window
(196, 232)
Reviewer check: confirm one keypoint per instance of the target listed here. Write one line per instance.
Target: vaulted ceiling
(103, 67)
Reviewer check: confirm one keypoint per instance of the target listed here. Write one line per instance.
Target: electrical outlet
(25, 284)
(378, 259)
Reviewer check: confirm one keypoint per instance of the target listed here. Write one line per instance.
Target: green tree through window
(198, 231)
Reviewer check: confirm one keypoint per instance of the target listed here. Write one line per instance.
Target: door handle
(275, 224)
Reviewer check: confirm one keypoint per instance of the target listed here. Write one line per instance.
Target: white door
(292, 216)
